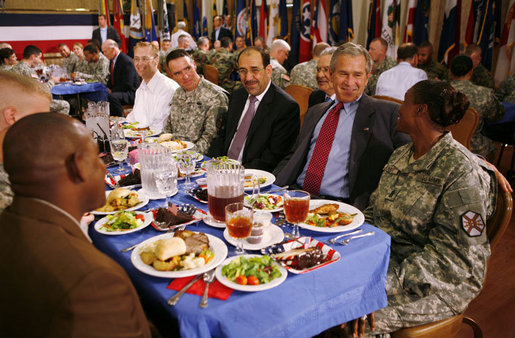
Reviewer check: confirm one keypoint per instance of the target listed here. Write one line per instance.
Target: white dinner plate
(215, 244)
(129, 133)
(270, 178)
(249, 288)
(99, 225)
(157, 195)
(196, 173)
(189, 146)
(349, 209)
(144, 199)
(277, 209)
(272, 235)
(209, 220)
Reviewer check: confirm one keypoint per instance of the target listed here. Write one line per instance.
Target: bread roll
(165, 137)
(117, 193)
(167, 248)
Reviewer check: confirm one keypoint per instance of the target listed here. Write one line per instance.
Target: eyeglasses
(144, 59)
(253, 71)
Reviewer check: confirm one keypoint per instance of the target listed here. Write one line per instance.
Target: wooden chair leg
(478, 333)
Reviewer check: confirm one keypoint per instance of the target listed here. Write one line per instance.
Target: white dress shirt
(152, 102)
(396, 81)
(174, 40)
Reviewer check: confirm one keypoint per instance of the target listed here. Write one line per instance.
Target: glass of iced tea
(238, 219)
(296, 207)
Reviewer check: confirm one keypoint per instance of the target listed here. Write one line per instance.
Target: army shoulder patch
(472, 223)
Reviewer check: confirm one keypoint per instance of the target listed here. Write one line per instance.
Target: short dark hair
(94, 42)
(225, 42)
(91, 48)
(265, 57)
(5, 53)
(175, 54)
(165, 40)
(382, 41)
(406, 51)
(62, 44)
(103, 15)
(445, 104)
(425, 44)
(31, 50)
(461, 65)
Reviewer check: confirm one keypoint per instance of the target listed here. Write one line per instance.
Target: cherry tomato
(140, 216)
(252, 280)
(241, 280)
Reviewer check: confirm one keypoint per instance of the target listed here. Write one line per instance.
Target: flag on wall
(295, 28)
(374, 21)
(390, 26)
(185, 15)
(136, 27)
(346, 22)
(488, 26)
(252, 24)
(283, 19)
(506, 59)
(241, 18)
(305, 32)
(220, 4)
(319, 28)
(103, 9)
(334, 22)
(197, 25)
(450, 37)
(118, 23)
(273, 21)
(410, 21)
(164, 27)
(421, 21)
(149, 25)
(263, 20)
(207, 17)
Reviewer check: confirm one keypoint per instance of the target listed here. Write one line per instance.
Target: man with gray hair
(278, 54)
(344, 144)
(181, 26)
(304, 74)
(201, 55)
(323, 77)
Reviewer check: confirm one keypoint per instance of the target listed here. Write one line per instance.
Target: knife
(174, 299)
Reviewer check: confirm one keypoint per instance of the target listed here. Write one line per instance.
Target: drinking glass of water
(166, 183)
(186, 163)
(119, 148)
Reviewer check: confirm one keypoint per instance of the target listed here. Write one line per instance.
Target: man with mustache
(344, 144)
(262, 120)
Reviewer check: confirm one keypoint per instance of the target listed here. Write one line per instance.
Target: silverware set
(208, 277)
(335, 240)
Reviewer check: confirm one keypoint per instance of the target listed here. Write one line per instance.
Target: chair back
(301, 95)
(387, 98)
(497, 224)
(211, 73)
(465, 128)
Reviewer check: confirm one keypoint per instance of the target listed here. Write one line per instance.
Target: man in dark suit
(323, 76)
(104, 32)
(218, 30)
(55, 283)
(262, 120)
(343, 145)
(123, 78)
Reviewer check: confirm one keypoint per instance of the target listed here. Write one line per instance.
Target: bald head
(49, 156)
(110, 49)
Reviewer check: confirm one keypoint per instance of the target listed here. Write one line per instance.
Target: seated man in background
(239, 42)
(202, 54)
(225, 61)
(123, 79)
(198, 108)
(434, 70)
(396, 81)
(95, 67)
(19, 97)
(153, 97)
(343, 145)
(32, 58)
(55, 181)
(377, 50)
(278, 54)
(480, 76)
(325, 83)
(481, 99)
(506, 91)
(262, 120)
(304, 74)
(7, 59)
(69, 58)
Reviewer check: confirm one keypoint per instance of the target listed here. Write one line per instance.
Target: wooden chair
(495, 227)
(301, 95)
(465, 128)
(387, 98)
(211, 73)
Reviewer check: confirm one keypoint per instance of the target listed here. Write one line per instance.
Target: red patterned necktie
(316, 167)
(112, 73)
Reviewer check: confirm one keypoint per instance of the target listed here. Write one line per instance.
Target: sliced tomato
(241, 280)
(252, 280)
(140, 216)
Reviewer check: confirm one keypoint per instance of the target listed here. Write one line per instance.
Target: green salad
(265, 202)
(252, 270)
(123, 220)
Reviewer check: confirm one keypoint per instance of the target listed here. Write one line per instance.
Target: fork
(208, 277)
(346, 241)
(335, 239)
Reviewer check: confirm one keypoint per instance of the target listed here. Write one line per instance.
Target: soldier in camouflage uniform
(7, 59)
(69, 59)
(96, 67)
(434, 205)
(27, 97)
(506, 92)
(226, 62)
(377, 50)
(202, 54)
(32, 57)
(480, 76)
(198, 108)
(278, 54)
(434, 70)
(481, 99)
(304, 74)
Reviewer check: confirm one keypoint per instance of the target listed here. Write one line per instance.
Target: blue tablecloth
(303, 306)
(94, 91)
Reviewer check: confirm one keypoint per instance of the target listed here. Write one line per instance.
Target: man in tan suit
(54, 283)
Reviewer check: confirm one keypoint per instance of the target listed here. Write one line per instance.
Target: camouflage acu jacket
(372, 80)
(435, 70)
(6, 194)
(279, 74)
(305, 74)
(506, 92)
(482, 77)
(226, 64)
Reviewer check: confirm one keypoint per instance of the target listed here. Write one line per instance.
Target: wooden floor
(494, 308)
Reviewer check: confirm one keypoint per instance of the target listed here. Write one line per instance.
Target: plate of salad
(268, 202)
(250, 273)
(123, 222)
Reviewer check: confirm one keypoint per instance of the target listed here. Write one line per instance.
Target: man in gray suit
(343, 145)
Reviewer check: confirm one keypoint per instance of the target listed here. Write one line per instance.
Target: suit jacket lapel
(232, 125)
(361, 132)
(261, 112)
